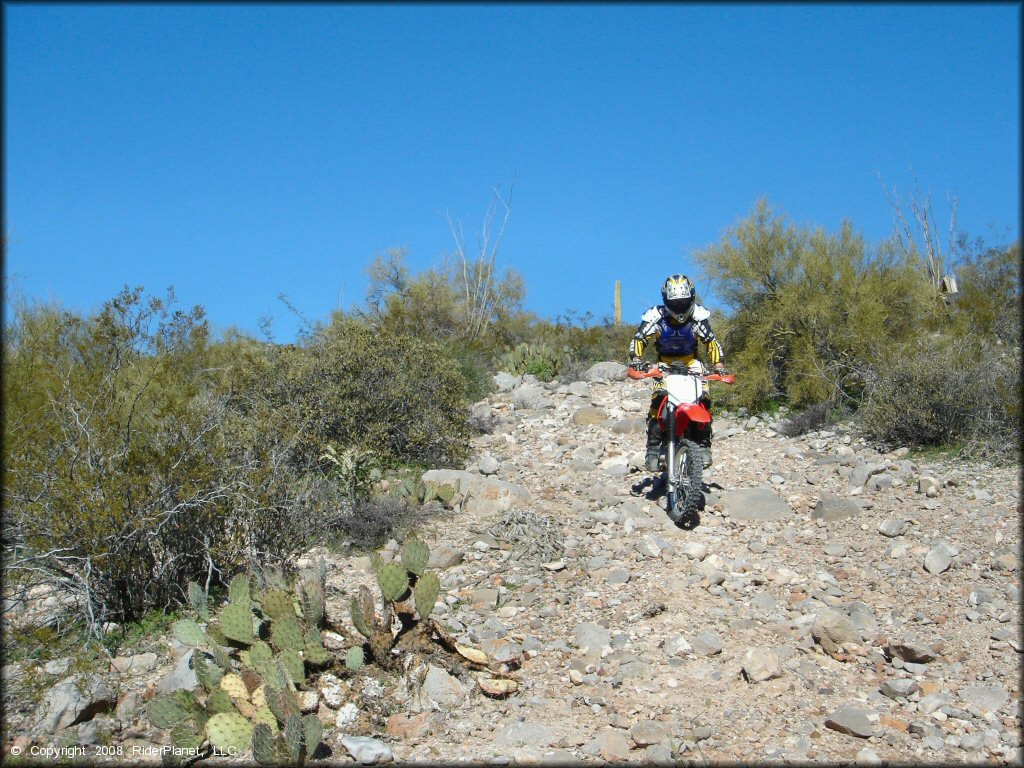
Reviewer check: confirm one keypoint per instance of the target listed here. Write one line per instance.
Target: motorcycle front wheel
(685, 481)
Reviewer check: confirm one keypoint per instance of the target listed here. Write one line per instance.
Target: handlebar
(659, 370)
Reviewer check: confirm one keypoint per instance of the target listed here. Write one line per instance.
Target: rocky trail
(834, 603)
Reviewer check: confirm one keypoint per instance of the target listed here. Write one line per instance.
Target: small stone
(618, 576)
(893, 527)
(852, 721)
(488, 465)
(912, 650)
(485, 598)
(939, 558)
(898, 688)
(832, 508)
(868, 757)
(366, 750)
(760, 664)
(707, 644)
(613, 744)
(677, 646)
(648, 732)
(591, 636)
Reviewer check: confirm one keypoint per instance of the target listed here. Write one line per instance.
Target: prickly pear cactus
(230, 732)
(208, 675)
(312, 732)
(234, 687)
(312, 603)
(425, 593)
(293, 738)
(293, 663)
(263, 744)
(219, 701)
(197, 599)
(236, 623)
(187, 632)
(185, 738)
(354, 658)
(415, 555)
(277, 604)
(360, 619)
(393, 581)
(165, 712)
(238, 590)
(317, 655)
(286, 634)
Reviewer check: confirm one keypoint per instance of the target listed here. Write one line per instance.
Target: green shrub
(941, 390)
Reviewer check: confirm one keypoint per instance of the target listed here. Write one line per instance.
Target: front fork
(670, 447)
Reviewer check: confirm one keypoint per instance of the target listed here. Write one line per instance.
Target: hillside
(834, 603)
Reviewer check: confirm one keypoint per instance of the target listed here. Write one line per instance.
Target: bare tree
(922, 239)
(479, 285)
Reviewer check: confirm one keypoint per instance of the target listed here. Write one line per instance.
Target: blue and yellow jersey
(675, 343)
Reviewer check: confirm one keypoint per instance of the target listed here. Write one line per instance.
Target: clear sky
(238, 152)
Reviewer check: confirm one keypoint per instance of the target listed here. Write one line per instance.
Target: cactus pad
(236, 623)
(312, 732)
(393, 581)
(219, 701)
(230, 732)
(415, 555)
(221, 659)
(293, 738)
(359, 618)
(185, 738)
(185, 700)
(207, 674)
(260, 653)
(214, 635)
(427, 588)
(238, 590)
(312, 603)
(197, 599)
(265, 716)
(293, 663)
(277, 604)
(165, 712)
(263, 746)
(282, 703)
(317, 655)
(234, 686)
(187, 632)
(286, 634)
(354, 658)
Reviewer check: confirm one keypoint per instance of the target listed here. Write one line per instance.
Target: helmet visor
(680, 307)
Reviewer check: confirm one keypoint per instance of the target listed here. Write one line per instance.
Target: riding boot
(655, 433)
(704, 441)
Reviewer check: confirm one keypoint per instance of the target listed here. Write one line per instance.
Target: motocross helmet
(679, 296)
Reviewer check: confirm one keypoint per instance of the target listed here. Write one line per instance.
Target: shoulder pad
(652, 315)
(700, 313)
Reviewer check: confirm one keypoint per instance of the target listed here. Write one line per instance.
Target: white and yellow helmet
(679, 297)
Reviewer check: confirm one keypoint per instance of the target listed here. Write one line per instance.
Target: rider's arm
(702, 326)
(646, 331)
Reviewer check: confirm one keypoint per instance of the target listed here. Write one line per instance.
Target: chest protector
(676, 340)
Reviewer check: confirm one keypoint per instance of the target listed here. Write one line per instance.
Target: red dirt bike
(683, 417)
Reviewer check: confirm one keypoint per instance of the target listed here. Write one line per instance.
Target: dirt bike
(683, 416)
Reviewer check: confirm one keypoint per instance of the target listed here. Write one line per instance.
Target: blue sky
(238, 152)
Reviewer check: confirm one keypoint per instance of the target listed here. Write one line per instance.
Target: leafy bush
(941, 391)
(812, 418)
(117, 486)
(810, 310)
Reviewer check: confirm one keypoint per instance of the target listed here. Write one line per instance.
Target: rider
(676, 326)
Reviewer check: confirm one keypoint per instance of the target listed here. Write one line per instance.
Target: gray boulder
(74, 700)
(506, 382)
(851, 720)
(832, 508)
(532, 398)
(605, 372)
(755, 504)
